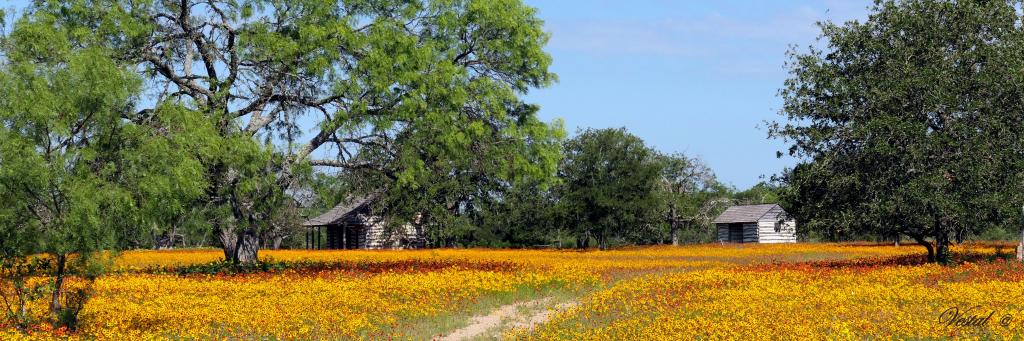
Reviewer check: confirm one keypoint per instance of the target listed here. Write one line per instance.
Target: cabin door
(736, 233)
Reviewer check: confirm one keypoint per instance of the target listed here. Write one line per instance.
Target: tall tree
(910, 122)
(690, 194)
(412, 92)
(609, 178)
(74, 174)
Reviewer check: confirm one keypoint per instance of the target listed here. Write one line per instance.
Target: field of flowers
(875, 298)
(708, 291)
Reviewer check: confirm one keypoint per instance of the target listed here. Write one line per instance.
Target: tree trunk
(673, 223)
(246, 252)
(675, 232)
(58, 284)
(942, 253)
(927, 245)
(229, 242)
(583, 240)
(240, 247)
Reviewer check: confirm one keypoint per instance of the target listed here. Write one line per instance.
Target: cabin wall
(371, 233)
(356, 237)
(347, 236)
(377, 236)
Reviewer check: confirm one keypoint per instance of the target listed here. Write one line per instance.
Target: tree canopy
(909, 122)
(608, 190)
(122, 122)
(420, 97)
(75, 176)
(690, 196)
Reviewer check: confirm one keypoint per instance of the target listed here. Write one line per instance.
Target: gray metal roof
(339, 212)
(745, 213)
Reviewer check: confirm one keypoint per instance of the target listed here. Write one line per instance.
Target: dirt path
(517, 315)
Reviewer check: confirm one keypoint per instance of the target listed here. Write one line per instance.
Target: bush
(997, 234)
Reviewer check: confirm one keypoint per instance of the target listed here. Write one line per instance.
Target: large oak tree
(411, 94)
(909, 122)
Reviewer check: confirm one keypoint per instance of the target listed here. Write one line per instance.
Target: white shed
(767, 223)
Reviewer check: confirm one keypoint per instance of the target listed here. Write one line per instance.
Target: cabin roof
(341, 211)
(745, 213)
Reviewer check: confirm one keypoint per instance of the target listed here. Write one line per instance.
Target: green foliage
(998, 233)
(690, 198)
(908, 123)
(418, 99)
(227, 268)
(608, 191)
(75, 174)
(761, 193)
(524, 215)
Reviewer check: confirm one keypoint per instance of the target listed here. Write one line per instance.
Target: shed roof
(745, 213)
(339, 212)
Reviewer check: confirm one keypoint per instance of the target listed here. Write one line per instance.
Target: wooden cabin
(767, 223)
(352, 225)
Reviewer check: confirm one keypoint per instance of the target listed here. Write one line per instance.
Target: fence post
(1020, 247)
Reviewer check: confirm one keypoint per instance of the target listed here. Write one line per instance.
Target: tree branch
(193, 89)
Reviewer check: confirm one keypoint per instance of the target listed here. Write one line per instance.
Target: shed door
(736, 233)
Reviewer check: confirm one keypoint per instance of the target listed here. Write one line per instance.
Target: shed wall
(772, 229)
(750, 233)
(786, 232)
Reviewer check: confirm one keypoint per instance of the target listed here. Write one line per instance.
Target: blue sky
(697, 77)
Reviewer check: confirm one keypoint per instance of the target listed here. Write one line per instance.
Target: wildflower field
(799, 291)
